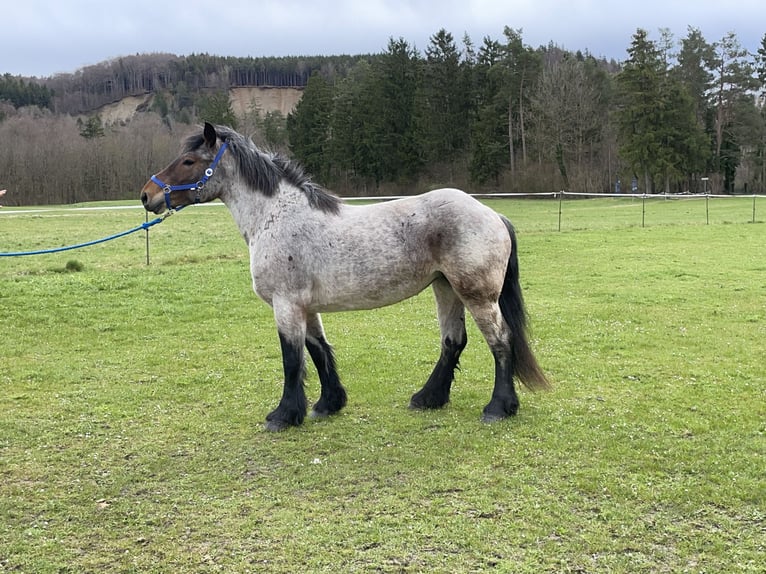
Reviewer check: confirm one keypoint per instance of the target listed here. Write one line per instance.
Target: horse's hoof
(276, 426)
(420, 405)
(318, 415)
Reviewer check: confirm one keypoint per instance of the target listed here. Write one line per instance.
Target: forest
(499, 116)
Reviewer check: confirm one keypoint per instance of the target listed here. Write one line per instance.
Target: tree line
(183, 77)
(507, 116)
(19, 92)
(501, 116)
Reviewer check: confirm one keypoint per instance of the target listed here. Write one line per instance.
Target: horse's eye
(188, 162)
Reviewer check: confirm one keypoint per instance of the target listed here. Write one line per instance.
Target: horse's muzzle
(154, 203)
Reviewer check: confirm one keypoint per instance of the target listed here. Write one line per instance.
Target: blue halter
(167, 189)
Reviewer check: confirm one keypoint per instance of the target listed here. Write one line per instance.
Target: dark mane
(264, 170)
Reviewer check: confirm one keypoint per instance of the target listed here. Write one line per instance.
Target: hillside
(243, 100)
(181, 79)
(268, 99)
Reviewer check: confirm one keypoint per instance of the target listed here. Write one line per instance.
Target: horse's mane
(264, 170)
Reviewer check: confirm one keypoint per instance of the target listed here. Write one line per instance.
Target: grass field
(133, 397)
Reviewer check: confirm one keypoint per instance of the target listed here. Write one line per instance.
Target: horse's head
(184, 181)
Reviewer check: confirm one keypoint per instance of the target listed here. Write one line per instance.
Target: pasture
(133, 399)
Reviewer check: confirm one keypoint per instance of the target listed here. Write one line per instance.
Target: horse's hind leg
(435, 393)
(333, 396)
(505, 401)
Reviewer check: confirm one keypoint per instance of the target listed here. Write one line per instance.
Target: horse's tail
(525, 365)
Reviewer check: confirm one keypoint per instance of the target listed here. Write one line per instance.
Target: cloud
(43, 37)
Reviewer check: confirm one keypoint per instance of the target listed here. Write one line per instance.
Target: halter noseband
(167, 189)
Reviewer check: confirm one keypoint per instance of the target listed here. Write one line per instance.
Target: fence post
(753, 208)
(147, 237)
(643, 210)
(561, 197)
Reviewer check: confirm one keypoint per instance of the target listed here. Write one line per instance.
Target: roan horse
(310, 252)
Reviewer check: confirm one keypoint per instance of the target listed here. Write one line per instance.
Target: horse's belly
(365, 294)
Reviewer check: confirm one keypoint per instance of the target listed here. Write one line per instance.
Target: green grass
(133, 398)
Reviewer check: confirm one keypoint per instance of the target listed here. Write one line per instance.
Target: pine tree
(760, 154)
(308, 127)
(489, 133)
(357, 123)
(639, 92)
(660, 135)
(760, 67)
(443, 111)
(216, 109)
(398, 82)
(91, 128)
(733, 79)
(695, 61)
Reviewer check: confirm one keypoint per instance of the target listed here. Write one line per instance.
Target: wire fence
(644, 198)
(554, 211)
(566, 210)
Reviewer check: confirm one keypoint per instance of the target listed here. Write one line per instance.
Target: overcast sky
(45, 37)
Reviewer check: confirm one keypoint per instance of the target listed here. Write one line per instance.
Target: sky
(45, 37)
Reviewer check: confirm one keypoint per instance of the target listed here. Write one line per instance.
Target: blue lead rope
(145, 225)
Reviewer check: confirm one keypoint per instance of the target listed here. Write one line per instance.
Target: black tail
(525, 365)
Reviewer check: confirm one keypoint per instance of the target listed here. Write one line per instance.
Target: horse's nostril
(144, 197)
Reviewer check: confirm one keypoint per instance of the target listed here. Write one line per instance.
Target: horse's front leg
(333, 397)
(291, 325)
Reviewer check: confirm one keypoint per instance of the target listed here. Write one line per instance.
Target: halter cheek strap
(198, 186)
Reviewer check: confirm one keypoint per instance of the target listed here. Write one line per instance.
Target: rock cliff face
(281, 100)
(243, 100)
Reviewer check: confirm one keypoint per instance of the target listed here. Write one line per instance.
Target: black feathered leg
(436, 392)
(292, 407)
(333, 395)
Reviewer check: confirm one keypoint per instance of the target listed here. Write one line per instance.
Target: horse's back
(448, 208)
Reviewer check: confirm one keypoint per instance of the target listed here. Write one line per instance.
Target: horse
(311, 253)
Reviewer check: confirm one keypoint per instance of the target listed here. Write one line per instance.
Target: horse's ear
(210, 136)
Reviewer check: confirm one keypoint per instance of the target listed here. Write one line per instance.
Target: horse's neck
(246, 206)
(253, 211)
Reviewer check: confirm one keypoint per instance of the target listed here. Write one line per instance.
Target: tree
(523, 66)
(760, 152)
(489, 134)
(399, 78)
(216, 109)
(273, 128)
(442, 113)
(374, 130)
(22, 93)
(639, 89)
(696, 59)
(760, 67)
(91, 128)
(567, 114)
(683, 142)
(308, 127)
(660, 135)
(357, 122)
(695, 62)
(732, 81)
